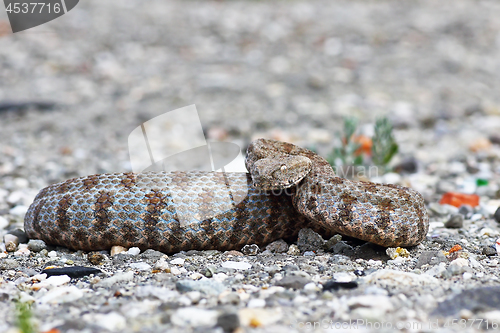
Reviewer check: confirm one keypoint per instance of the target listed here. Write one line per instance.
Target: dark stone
(407, 165)
(371, 251)
(309, 240)
(71, 271)
(475, 300)
(250, 250)
(489, 250)
(331, 242)
(455, 222)
(334, 285)
(342, 248)
(293, 281)
(497, 215)
(21, 235)
(430, 258)
(228, 321)
(359, 272)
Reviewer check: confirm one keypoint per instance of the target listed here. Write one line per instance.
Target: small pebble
(334, 285)
(250, 250)
(456, 221)
(293, 250)
(96, 258)
(133, 251)
(177, 261)
(293, 281)
(209, 287)
(239, 265)
(466, 211)
(140, 266)
(117, 249)
(489, 250)
(279, 246)
(36, 245)
(228, 321)
(309, 240)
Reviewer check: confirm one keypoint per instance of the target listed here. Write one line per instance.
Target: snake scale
(288, 188)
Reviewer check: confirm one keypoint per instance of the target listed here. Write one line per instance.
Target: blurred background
(72, 90)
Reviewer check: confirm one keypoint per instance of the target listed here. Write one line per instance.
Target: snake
(288, 188)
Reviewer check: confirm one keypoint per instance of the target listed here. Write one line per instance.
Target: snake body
(288, 188)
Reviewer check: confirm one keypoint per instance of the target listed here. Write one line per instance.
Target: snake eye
(283, 167)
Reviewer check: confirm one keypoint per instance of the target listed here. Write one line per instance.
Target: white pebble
(256, 303)
(61, 295)
(236, 265)
(118, 277)
(140, 266)
(52, 281)
(175, 271)
(460, 262)
(4, 223)
(194, 317)
(19, 210)
(162, 265)
(111, 321)
(134, 251)
(177, 261)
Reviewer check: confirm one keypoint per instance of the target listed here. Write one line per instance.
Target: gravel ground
(73, 89)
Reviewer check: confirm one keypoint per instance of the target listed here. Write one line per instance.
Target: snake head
(279, 173)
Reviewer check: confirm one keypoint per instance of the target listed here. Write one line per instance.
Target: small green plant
(354, 148)
(384, 146)
(346, 153)
(23, 317)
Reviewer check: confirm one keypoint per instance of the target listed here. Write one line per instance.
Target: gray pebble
(489, 250)
(456, 221)
(331, 242)
(36, 245)
(293, 281)
(466, 211)
(271, 270)
(430, 258)
(228, 321)
(279, 246)
(208, 287)
(8, 264)
(309, 240)
(152, 254)
(230, 298)
(342, 248)
(210, 270)
(471, 299)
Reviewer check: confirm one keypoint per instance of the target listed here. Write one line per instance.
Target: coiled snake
(288, 188)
